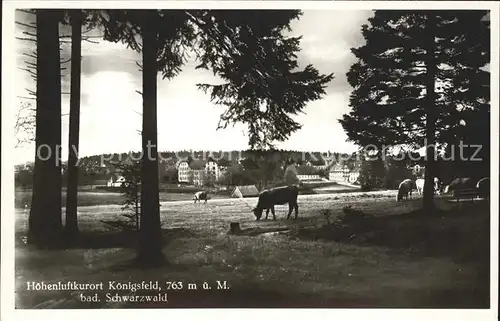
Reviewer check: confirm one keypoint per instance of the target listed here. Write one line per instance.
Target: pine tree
(290, 176)
(418, 74)
(47, 87)
(76, 21)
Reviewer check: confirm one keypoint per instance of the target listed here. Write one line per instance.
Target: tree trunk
(45, 223)
(234, 228)
(74, 125)
(428, 199)
(137, 212)
(150, 236)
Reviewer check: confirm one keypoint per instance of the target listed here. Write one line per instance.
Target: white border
(8, 99)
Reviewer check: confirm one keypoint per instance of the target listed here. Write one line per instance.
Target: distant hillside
(299, 157)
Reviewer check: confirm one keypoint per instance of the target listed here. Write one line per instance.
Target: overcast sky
(186, 117)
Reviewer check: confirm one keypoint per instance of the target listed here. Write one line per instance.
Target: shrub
(131, 191)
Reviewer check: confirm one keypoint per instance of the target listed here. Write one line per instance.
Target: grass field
(397, 258)
(92, 197)
(97, 197)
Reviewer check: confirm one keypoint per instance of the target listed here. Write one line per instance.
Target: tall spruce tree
(417, 76)
(76, 18)
(45, 222)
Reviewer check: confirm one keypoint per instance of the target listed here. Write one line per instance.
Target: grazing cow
(419, 183)
(483, 187)
(201, 196)
(406, 187)
(277, 196)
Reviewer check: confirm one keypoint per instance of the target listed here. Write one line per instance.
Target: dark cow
(277, 196)
(201, 196)
(406, 187)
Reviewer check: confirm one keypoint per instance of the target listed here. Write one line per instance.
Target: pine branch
(140, 68)
(28, 98)
(29, 71)
(83, 38)
(28, 55)
(25, 25)
(26, 11)
(29, 33)
(205, 28)
(30, 64)
(90, 41)
(34, 40)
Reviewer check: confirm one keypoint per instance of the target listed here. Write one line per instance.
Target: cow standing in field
(277, 196)
(201, 196)
(420, 183)
(405, 188)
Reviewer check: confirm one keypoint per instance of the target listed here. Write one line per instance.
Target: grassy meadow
(395, 257)
(93, 196)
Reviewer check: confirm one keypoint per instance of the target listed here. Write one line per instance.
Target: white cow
(420, 185)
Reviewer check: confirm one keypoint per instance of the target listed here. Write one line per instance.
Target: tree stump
(234, 228)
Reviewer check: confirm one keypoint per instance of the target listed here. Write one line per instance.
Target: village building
(338, 173)
(353, 176)
(306, 177)
(307, 173)
(197, 175)
(183, 171)
(198, 172)
(341, 174)
(320, 167)
(115, 181)
(212, 171)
